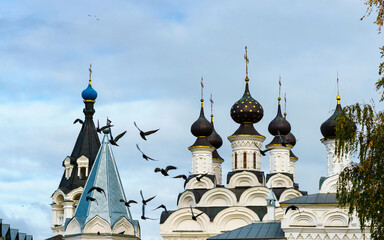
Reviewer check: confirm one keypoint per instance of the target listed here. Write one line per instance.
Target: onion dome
(201, 127)
(216, 141)
(215, 138)
(89, 94)
(279, 126)
(247, 109)
(328, 128)
(290, 138)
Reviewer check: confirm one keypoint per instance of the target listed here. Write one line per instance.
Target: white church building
(248, 204)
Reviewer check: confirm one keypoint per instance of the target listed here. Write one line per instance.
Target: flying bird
(145, 156)
(199, 177)
(143, 214)
(165, 171)
(147, 200)
(99, 130)
(79, 121)
(114, 140)
(161, 206)
(193, 215)
(127, 203)
(292, 207)
(91, 199)
(143, 134)
(183, 177)
(98, 189)
(262, 152)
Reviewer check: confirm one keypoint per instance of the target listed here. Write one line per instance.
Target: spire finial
(338, 94)
(279, 85)
(246, 64)
(202, 87)
(285, 106)
(90, 73)
(211, 100)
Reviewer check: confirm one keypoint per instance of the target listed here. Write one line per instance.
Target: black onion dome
(279, 124)
(328, 128)
(215, 139)
(290, 139)
(247, 109)
(201, 127)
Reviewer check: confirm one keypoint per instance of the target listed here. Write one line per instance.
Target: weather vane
(90, 73)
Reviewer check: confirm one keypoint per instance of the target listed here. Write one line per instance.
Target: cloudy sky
(148, 58)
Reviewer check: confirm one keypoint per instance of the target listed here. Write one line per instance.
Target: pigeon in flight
(143, 134)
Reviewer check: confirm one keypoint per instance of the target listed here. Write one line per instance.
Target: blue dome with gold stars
(89, 94)
(247, 109)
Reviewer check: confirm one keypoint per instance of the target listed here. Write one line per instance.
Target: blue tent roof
(4, 229)
(259, 230)
(104, 174)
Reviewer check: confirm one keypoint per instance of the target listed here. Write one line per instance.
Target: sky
(148, 58)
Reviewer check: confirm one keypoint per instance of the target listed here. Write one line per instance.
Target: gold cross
(90, 73)
(211, 100)
(279, 85)
(337, 84)
(246, 61)
(202, 86)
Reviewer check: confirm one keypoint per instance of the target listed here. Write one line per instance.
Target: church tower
(201, 151)
(246, 141)
(216, 141)
(335, 163)
(102, 214)
(76, 166)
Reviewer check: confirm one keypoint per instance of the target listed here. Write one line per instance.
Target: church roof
(259, 230)
(318, 198)
(104, 174)
(87, 144)
(211, 212)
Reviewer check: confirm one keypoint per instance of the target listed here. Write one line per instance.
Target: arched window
(254, 160)
(235, 160)
(244, 160)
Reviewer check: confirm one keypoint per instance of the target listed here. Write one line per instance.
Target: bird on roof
(147, 200)
(113, 141)
(78, 120)
(127, 203)
(88, 198)
(292, 207)
(183, 177)
(165, 171)
(144, 155)
(193, 215)
(143, 134)
(98, 189)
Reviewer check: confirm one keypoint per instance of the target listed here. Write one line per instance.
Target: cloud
(147, 59)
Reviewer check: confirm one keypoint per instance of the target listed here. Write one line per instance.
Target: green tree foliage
(360, 131)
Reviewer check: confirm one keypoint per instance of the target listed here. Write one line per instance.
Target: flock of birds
(163, 171)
